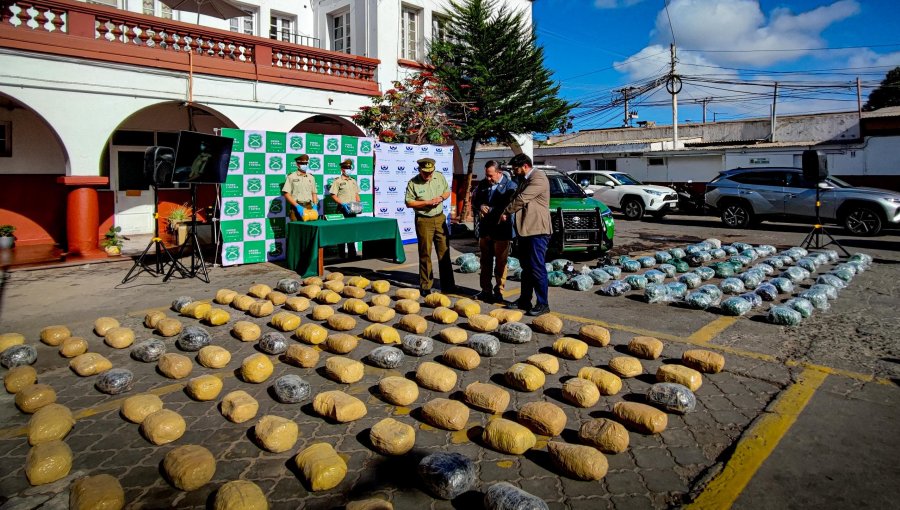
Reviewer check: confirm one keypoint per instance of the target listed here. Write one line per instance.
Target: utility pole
(625, 120)
(859, 103)
(704, 102)
(674, 91)
(774, 102)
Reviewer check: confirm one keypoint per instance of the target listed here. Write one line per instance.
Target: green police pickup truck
(580, 223)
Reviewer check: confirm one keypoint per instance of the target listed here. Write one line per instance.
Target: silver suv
(746, 196)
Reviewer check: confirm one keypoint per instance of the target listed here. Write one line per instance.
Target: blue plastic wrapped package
(864, 258)
(808, 263)
(615, 288)
(613, 271)
(560, 264)
(732, 286)
(723, 269)
(505, 496)
(636, 281)
(668, 269)
(18, 356)
(654, 276)
(705, 273)
(180, 302)
(273, 342)
(752, 279)
(470, 266)
(713, 243)
(385, 357)
(796, 253)
(784, 285)
(548, 266)
(484, 344)
(693, 249)
(859, 266)
(741, 246)
(447, 475)
(677, 290)
(753, 298)
(844, 272)
(730, 250)
(115, 381)
(705, 256)
(681, 266)
(581, 282)
(464, 257)
(830, 292)
(750, 253)
(556, 278)
(740, 260)
(584, 269)
(718, 253)
(193, 338)
(795, 274)
(820, 258)
(513, 263)
(818, 298)
(767, 292)
(765, 250)
(735, 306)
(786, 260)
(288, 285)
(672, 397)
(291, 389)
(830, 279)
(802, 305)
(148, 351)
(662, 257)
(767, 267)
(694, 259)
(784, 316)
(631, 266)
(656, 293)
(599, 275)
(831, 255)
(690, 280)
(514, 274)
(699, 300)
(647, 261)
(677, 253)
(712, 290)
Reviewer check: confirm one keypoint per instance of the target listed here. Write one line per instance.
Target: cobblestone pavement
(658, 471)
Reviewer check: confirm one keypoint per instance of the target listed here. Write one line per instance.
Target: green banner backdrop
(254, 215)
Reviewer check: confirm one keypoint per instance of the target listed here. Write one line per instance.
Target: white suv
(621, 191)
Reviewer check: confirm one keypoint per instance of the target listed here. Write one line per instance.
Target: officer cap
(347, 163)
(302, 159)
(426, 165)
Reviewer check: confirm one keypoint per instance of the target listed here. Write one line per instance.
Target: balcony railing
(75, 29)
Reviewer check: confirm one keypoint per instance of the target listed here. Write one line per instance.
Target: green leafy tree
(493, 69)
(887, 94)
(414, 111)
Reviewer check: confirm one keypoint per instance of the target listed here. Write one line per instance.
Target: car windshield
(562, 186)
(837, 183)
(626, 179)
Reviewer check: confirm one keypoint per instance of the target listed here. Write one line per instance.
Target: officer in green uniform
(425, 194)
(344, 189)
(300, 188)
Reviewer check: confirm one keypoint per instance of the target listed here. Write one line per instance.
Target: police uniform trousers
(433, 230)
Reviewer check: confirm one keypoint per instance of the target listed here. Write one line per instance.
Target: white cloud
(868, 58)
(614, 4)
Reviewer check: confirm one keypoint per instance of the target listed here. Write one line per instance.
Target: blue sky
(596, 47)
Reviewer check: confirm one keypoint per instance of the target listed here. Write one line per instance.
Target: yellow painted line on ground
(712, 330)
(839, 372)
(620, 327)
(758, 443)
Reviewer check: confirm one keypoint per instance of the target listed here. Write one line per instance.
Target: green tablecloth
(380, 238)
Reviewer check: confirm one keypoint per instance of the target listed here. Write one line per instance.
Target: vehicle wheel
(863, 221)
(737, 215)
(633, 209)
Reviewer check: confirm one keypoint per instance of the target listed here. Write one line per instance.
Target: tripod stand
(814, 238)
(198, 265)
(141, 264)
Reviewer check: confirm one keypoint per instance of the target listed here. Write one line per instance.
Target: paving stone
(624, 482)
(595, 503)
(547, 489)
(653, 458)
(688, 455)
(664, 481)
(631, 502)
(581, 488)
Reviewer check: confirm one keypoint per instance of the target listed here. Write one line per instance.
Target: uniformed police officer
(300, 188)
(344, 189)
(425, 194)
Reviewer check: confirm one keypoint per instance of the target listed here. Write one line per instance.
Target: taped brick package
(466, 307)
(398, 391)
(461, 358)
(704, 361)
(444, 315)
(277, 298)
(483, 323)
(504, 315)
(136, 408)
(213, 356)
(578, 461)
(413, 294)
(195, 309)
(435, 377)
(225, 296)
(285, 321)
(189, 467)
(104, 324)
(341, 322)
(607, 382)
(276, 434)
(204, 388)
(548, 363)
(163, 426)
(246, 331)
(436, 299)
(392, 437)
(217, 317)
(119, 338)
(544, 418)
(606, 435)
(312, 334)
(73, 346)
(239, 406)
(321, 466)
(507, 436)
(380, 300)
(380, 314)
(382, 334)
(359, 281)
(570, 348)
(48, 462)
(487, 397)
(641, 417)
(242, 302)
(380, 286)
(321, 312)
(645, 347)
(446, 414)
(344, 370)
(152, 318)
(547, 323)
(341, 343)
(256, 368)
(54, 335)
(261, 308)
(174, 366)
(525, 377)
(413, 323)
(407, 306)
(339, 406)
(98, 492)
(18, 378)
(626, 366)
(580, 392)
(53, 422)
(240, 495)
(355, 306)
(89, 363)
(297, 304)
(453, 335)
(302, 356)
(680, 374)
(260, 290)
(168, 327)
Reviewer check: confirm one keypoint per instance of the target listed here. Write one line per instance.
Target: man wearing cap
(531, 206)
(344, 189)
(425, 194)
(300, 188)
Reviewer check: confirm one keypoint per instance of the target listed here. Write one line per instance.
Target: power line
(671, 27)
(795, 49)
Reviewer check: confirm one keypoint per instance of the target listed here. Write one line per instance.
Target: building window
(605, 164)
(584, 164)
(409, 34)
(656, 161)
(157, 8)
(5, 139)
(439, 26)
(244, 24)
(340, 32)
(281, 28)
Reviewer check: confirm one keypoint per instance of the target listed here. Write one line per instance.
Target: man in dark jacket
(494, 235)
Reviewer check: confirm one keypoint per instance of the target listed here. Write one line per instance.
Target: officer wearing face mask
(300, 188)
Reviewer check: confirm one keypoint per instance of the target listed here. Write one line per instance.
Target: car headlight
(653, 192)
(893, 200)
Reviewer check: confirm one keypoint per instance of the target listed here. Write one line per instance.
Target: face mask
(303, 168)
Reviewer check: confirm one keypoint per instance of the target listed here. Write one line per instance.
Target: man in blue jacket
(494, 234)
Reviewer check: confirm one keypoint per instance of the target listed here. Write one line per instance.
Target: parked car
(745, 196)
(623, 192)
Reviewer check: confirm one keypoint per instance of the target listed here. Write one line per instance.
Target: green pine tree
(494, 71)
(887, 94)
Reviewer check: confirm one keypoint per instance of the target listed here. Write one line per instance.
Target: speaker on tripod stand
(159, 163)
(815, 169)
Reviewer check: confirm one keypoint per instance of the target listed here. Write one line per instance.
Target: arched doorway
(32, 158)
(328, 125)
(130, 204)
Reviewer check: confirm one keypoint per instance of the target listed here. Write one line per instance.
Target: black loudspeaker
(815, 166)
(159, 164)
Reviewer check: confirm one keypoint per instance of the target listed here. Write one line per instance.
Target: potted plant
(177, 216)
(7, 239)
(112, 241)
